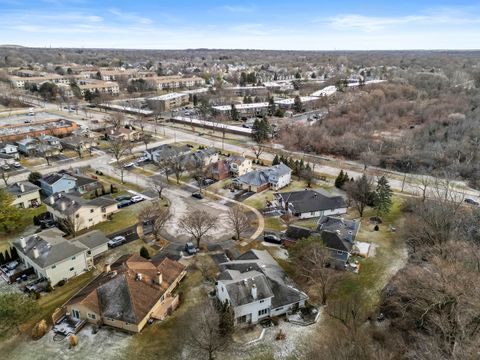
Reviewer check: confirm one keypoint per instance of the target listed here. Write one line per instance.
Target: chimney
(159, 278)
(36, 253)
(107, 268)
(51, 200)
(63, 205)
(23, 242)
(254, 292)
(21, 186)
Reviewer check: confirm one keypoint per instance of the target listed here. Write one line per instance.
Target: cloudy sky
(266, 24)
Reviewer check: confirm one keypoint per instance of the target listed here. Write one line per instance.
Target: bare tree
(198, 223)
(71, 223)
(360, 192)
(238, 219)
(5, 175)
(157, 216)
(118, 149)
(199, 172)
(159, 185)
(312, 261)
(204, 335)
(116, 120)
(258, 150)
(176, 165)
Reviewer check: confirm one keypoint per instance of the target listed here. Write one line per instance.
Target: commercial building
(56, 127)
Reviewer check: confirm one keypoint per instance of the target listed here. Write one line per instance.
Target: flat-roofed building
(168, 101)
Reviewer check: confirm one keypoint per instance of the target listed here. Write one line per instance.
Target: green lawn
(124, 218)
(274, 223)
(55, 299)
(24, 223)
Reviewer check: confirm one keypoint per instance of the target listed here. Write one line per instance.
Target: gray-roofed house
(337, 234)
(165, 152)
(79, 212)
(274, 177)
(257, 287)
(26, 194)
(306, 204)
(67, 181)
(55, 258)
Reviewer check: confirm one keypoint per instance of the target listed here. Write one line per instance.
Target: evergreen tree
(276, 160)
(144, 252)
(2, 258)
(234, 113)
(383, 196)
(195, 99)
(271, 106)
(9, 215)
(8, 257)
(14, 253)
(260, 130)
(297, 104)
(340, 180)
(34, 177)
(226, 320)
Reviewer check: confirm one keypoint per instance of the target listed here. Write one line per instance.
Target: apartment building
(168, 101)
(103, 87)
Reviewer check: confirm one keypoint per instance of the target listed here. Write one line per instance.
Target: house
(57, 183)
(9, 149)
(78, 212)
(78, 143)
(337, 234)
(274, 177)
(128, 294)
(122, 133)
(165, 152)
(26, 194)
(28, 146)
(256, 287)
(50, 140)
(306, 204)
(55, 258)
(239, 165)
(67, 181)
(200, 157)
(219, 170)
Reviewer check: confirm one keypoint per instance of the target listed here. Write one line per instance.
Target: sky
(260, 24)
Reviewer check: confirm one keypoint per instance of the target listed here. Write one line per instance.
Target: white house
(256, 287)
(274, 177)
(55, 258)
(239, 165)
(25, 194)
(306, 204)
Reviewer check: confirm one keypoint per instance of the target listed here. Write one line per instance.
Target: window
(92, 316)
(73, 258)
(261, 301)
(54, 266)
(242, 319)
(75, 314)
(77, 216)
(92, 210)
(71, 269)
(262, 312)
(90, 220)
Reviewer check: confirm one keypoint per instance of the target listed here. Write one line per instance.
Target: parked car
(31, 114)
(271, 238)
(197, 195)
(17, 164)
(12, 265)
(129, 165)
(207, 182)
(117, 241)
(137, 198)
(190, 249)
(37, 285)
(122, 198)
(124, 203)
(472, 202)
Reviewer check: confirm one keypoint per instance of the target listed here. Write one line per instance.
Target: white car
(129, 165)
(137, 198)
(116, 241)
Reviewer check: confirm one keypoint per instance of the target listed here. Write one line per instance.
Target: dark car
(271, 238)
(197, 195)
(122, 198)
(472, 202)
(207, 182)
(190, 249)
(124, 203)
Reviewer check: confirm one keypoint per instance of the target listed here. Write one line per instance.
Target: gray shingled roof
(14, 189)
(115, 301)
(52, 247)
(261, 177)
(306, 201)
(92, 239)
(258, 264)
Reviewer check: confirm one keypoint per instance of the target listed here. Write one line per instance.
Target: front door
(76, 314)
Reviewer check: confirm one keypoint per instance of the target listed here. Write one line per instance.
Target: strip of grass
(120, 220)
